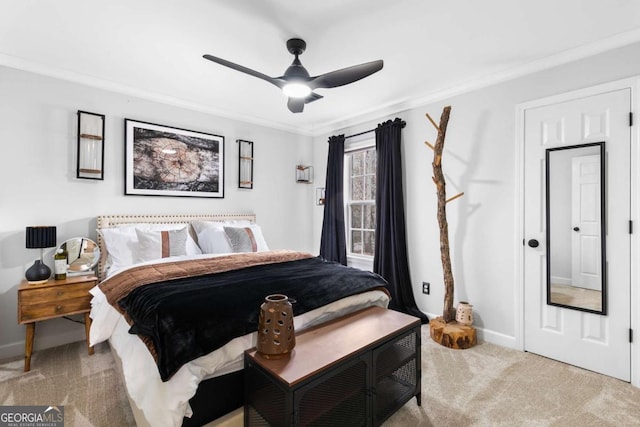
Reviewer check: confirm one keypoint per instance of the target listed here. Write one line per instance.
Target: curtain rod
(370, 130)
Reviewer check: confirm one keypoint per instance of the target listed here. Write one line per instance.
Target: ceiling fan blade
(296, 105)
(312, 97)
(242, 69)
(346, 75)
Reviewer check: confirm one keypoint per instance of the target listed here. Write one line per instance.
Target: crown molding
(70, 76)
(390, 108)
(399, 105)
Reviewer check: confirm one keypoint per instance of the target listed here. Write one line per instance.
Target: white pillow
(237, 222)
(154, 244)
(211, 237)
(247, 238)
(122, 242)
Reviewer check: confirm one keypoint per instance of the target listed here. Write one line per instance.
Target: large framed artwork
(168, 161)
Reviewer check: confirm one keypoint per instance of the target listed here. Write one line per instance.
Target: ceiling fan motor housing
(296, 70)
(296, 46)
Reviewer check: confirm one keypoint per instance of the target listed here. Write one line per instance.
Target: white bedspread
(166, 403)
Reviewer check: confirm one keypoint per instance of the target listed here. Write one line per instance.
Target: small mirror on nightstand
(83, 255)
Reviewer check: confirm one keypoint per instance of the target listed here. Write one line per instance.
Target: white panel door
(585, 220)
(592, 341)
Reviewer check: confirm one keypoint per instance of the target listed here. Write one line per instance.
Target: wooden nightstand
(55, 298)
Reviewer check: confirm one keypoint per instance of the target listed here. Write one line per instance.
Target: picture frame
(169, 161)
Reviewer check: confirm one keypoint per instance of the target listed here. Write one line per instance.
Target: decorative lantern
(276, 335)
(464, 313)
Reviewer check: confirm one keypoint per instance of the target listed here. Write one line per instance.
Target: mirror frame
(603, 228)
(91, 269)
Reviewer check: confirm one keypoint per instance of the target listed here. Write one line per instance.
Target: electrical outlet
(426, 288)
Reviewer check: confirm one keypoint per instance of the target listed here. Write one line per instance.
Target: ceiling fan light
(296, 90)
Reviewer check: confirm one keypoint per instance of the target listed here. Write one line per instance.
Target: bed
(228, 254)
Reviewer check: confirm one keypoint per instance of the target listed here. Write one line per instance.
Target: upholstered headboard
(105, 221)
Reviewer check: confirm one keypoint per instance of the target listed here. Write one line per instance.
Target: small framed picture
(168, 161)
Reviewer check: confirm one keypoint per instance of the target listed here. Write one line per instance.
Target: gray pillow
(154, 244)
(241, 239)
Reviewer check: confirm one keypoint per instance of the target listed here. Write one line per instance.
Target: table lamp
(39, 237)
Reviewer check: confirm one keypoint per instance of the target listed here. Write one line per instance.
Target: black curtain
(333, 246)
(390, 258)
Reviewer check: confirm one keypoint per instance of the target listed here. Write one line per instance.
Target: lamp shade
(41, 237)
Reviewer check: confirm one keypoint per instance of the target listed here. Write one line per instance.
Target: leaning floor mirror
(575, 214)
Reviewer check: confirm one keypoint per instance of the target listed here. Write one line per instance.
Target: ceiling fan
(296, 82)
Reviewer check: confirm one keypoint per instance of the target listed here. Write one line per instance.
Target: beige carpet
(489, 385)
(87, 386)
(486, 385)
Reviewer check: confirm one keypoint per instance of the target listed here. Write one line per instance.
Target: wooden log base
(453, 334)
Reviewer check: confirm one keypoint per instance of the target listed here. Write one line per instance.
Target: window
(361, 200)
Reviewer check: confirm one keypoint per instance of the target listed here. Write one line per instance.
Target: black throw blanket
(190, 317)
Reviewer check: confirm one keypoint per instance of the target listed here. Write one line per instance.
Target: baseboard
(497, 338)
(561, 280)
(16, 349)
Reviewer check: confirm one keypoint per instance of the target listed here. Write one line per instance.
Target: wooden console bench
(356, 370)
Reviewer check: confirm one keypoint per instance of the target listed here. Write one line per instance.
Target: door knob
(576, 228)
(533, 243)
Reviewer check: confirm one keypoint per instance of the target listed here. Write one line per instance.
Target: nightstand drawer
(55, 294)
(55, 308)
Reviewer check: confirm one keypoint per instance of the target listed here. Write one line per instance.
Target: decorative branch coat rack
(443, 329)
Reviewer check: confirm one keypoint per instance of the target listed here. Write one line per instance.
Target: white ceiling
(154, 48)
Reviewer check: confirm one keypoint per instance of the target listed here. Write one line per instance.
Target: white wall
(38, 137)
(37, 170)
(479, 159)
